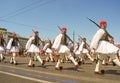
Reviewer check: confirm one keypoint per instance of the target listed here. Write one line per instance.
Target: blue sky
(21, 16)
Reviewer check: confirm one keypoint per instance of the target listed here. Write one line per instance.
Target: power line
(24, 12)
(20, 9)
(18, 23)
(44, 3)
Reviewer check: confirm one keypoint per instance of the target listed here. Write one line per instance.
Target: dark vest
(84, 46)
(105, 37)
(15, 41)
(78, 47)
(64, 39)
(50, 45)
(2, 42)
(36, 41)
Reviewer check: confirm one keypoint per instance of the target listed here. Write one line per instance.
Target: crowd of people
(101, 47)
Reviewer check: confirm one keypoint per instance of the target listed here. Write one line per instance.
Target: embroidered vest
(50, 45)
(84, 46)
(36, 41)
(105, 37)
(2, 42)
(64, 39)
(15, 42)
(78, 47)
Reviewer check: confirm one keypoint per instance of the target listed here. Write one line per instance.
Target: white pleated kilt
(85, 51)
(2, 48)
(63, 49)
(77, 52)
(14, 49)
(106, 48)
(48, 50)
(34, 48)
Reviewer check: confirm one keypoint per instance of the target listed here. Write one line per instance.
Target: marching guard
(13, 46)
(2, 47)
(77, 52)
(102, 47)
(82, 51)
(48, 51)
(33, 47)
(61, 49)
(85, 50)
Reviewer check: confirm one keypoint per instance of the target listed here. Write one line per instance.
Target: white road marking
(25, 77)
(70, 76)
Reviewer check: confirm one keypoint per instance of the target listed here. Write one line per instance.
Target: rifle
(66, 35)
(99, 26)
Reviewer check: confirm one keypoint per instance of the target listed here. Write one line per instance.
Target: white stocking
(14, 55)
(39, 59)
(58, 63)
(72, 59)
(116, 61)
(97, 68)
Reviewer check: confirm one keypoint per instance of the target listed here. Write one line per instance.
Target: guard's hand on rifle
(42, 51)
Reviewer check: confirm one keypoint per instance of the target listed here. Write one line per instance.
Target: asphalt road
(21, 73)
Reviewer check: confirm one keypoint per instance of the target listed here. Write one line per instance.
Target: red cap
(84, 39)
(14, 35)
(36, 32)
(103, 22)
(64, 29)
